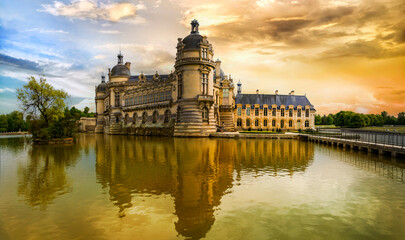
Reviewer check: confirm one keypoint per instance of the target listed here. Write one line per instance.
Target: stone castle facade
(196, 99)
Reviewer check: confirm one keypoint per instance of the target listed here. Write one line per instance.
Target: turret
(239, 87)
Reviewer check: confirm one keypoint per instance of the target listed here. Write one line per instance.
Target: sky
(344, 54)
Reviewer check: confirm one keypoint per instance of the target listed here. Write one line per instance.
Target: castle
(196, 99)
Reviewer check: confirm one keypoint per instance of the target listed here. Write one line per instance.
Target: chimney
(128, 65)
(292, 92)
(217, 68)
(257, 91)
(276, 92)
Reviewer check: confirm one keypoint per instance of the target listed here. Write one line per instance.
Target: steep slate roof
(163, 77)
(271, 99)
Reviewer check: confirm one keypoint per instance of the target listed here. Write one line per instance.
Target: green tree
(40, 96)
(356, 121)
(329, 119)
(318, 119)
(401, 118)
(3, 123)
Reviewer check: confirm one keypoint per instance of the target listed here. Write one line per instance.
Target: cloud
(99, 57)
(20, 63)
(93, 10)
(42, 30)
(87, 102)
(109, 31)
(2, 90)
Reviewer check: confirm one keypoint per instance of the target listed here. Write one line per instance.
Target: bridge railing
(373, 137)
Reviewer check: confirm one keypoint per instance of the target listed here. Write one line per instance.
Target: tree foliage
(40, 97)
(13, 122)
(356, 120)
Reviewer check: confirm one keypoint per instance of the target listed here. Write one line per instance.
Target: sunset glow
(345, 55)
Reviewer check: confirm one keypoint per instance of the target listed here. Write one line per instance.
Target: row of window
(273, 123)
(273, 112)
(150, 98)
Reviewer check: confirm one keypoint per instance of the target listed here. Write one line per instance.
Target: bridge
(380, 142)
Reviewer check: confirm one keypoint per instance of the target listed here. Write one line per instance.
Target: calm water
(120, 187)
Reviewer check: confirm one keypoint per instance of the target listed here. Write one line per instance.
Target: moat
(128, 187)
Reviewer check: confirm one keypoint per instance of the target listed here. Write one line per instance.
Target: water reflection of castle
(197, 174)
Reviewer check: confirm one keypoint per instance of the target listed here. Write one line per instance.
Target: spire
(120, 58)
(239, 87)
(194, 26)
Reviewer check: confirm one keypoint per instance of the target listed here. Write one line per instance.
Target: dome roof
(102, 87)
(192, 41)
(120, 70)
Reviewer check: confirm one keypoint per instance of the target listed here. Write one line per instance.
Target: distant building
(194, 100)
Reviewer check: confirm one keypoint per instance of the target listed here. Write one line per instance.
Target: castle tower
(239, 87)
(194, 69)
(101, 90)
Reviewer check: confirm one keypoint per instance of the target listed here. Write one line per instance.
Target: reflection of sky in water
(107, 187)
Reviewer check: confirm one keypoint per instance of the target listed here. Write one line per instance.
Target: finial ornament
(120, 58)
(194, 26)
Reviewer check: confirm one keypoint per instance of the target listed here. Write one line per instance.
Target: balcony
(206, 98)
(194, 60)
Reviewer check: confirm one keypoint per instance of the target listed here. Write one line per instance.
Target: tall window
(299, 113)
(282, 112)
(256, 122)
(273, 123)
(306, 123)
(290, 123)
(239, 111)
(117, 99)
(248, 122)
(257, 111)
(265, 112)
(274, 111)
(225, 92)
(248, 111)
(204, 82)
(306, 112)
(282, 124)
(205, 114)
(299, 124)
(204, 53)
(290, 112)
(265, 123)
(239, 122)
(179, 86)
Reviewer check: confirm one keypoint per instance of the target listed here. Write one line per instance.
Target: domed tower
(101, 90)
(194, 68)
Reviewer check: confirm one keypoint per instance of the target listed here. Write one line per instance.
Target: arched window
(155, 116)
(239, 122)
(144, 117)
(248, 122)
(167, 116)
(205, 114)
(273, 123)
(134, 117)
(256, 122)
(265, 122)
(282, 124)
(306, 123)
(290, 123)
(126, 119)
